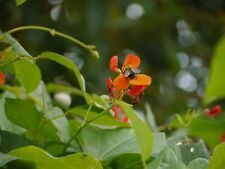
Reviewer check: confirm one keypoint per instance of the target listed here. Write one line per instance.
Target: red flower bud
(2, 78)
(125, 119)
(222, 138)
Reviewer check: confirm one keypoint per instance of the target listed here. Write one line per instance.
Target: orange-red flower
(129, 74)
(213, 112)
(129, 81)
(2, 78)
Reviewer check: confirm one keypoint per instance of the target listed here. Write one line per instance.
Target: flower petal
(125, 119)
(141, 80)
(109, 84)
(2, 78)
(113, 64)
(121, 82)
(136, 90)
(131, 60)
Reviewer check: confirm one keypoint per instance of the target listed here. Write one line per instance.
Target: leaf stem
(53, 32)
(83, 125)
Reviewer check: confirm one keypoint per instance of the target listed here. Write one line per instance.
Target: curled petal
(131, 60)
(2, 78)
(141, 80)
(113, 64)
(121, 82)
(136, 90)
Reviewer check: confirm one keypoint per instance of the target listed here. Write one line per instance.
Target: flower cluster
(129, 81)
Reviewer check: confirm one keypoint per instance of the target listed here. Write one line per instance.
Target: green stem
(86, 115)
(53, 32)
(83, 126)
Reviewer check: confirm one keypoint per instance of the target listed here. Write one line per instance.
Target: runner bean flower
(129, 81)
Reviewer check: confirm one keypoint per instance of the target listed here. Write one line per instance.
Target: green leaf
(142, 131)
(8, 142)
(40, 97)
(16, 47)
(127, 161)
(28, 74)
(190, 152)
(210, 130)
(58, 118)
(218, 158)
(199, 163)
(155, 164)
(106, 144)
(150, 119)
(44, 160)
(67, 63)
(172, 152)
(5, 123)
(177, 165)
(100, 101)
(8, 57)
(53, 87)
(169, 158)
(19, 2)
(23, 113)
(159, 142)
(47, 132)
(106, 120)
(216, 83)
(5, 158)
(21, 164)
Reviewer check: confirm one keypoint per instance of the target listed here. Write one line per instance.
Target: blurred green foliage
(164, 34)
(175, 41)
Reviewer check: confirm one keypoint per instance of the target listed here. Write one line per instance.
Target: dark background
(174, 38)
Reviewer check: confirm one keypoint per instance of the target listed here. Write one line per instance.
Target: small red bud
(222, 138)
(125, 119)
(2, 78)
(213, 112)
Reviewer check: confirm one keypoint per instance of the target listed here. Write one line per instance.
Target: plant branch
(53, 32)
